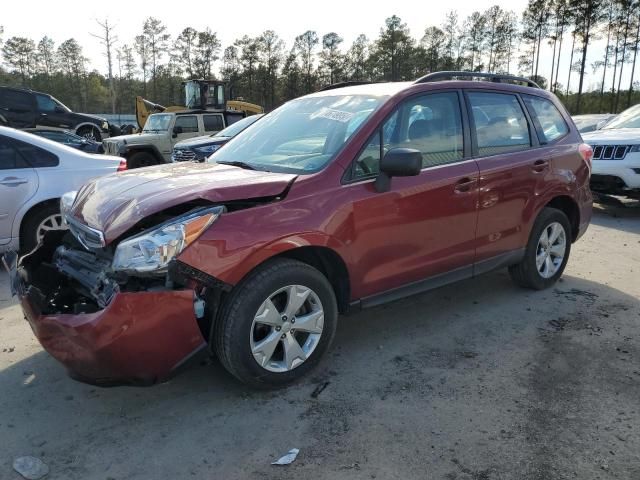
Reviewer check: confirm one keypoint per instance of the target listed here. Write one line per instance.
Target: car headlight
(105, 125)
(66, 202)
(152, 250)
(207, 150)
(635, 148)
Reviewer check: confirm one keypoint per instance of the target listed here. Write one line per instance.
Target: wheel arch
(570, 208)
(150, 149)
(21, 218)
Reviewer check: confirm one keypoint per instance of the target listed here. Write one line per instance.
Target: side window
(9, 156)
(429, 123)
(212, 123)
(45, 104)
(35, 156)
(548, 119)
(17, 101)
(189, 123)
(368, 162)
(501, 125)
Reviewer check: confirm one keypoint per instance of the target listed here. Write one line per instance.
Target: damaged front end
(128, 312)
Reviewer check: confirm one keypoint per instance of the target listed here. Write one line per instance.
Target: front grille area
(183, 155)
(610, 152)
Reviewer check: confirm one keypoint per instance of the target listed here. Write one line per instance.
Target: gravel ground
(479, 380)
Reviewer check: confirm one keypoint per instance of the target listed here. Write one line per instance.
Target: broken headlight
(152, 250)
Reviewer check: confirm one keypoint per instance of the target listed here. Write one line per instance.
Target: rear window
(36, 157)
(9, 157)
(189, 123)
(548, 118)
(500, 123)
(213, 123)
(16, 101)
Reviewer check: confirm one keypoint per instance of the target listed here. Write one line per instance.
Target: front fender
(229, 261)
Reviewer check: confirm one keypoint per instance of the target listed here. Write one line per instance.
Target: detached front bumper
(138, 338)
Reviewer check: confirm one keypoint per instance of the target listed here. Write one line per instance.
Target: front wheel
(547, 251)
(277, 324)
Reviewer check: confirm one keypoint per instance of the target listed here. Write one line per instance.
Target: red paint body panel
(139, 337)
(115, 203)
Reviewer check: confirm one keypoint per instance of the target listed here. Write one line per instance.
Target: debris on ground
(31, 468)
(319, 389)
(287, 459)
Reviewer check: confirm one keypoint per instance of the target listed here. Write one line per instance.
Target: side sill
(437, 281)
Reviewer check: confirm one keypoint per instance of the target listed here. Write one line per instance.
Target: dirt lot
(478, 381)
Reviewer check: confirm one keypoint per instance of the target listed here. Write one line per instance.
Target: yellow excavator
(208, 95)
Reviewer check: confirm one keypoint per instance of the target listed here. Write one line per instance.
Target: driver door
(185, 126)
(424, 226)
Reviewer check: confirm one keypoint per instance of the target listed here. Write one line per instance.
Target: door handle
(464, 185)
(540, 166)
(12, 181)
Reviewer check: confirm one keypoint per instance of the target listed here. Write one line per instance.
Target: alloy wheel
(50, 223)
(551, 250)
(287, 328)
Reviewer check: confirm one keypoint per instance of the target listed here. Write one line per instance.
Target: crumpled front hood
(618, 136)
(115, 203)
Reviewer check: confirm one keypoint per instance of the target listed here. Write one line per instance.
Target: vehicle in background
(593, 121)
(34, 174)
(153, 146)
(616, 155)
(346, 198)
(205, 95)
(69, 139)
(198, 149)
(24, 108)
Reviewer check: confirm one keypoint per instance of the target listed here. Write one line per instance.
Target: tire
(34, 221)
(527, 273)
(90, 133)
(141, 159)
(237, 333)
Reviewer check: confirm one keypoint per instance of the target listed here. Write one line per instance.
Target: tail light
(586, 152)
(123, 166)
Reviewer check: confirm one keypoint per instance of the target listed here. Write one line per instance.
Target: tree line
(264, 70)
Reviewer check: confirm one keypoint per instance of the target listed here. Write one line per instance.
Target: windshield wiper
(239, 164)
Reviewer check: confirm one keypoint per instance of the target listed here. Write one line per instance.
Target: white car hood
(620, 136)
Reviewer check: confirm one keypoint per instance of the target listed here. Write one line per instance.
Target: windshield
(158, 122)
(630, 118)
(302, 136)
(232, 130)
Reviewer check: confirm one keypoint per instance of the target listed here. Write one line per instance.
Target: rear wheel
(277, 324)
(547, 251)
(38, 222)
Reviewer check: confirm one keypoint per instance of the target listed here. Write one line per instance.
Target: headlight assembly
(152, 250)
(105, 126)
(207, 150)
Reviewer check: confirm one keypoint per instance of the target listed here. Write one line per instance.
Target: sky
(234, 19)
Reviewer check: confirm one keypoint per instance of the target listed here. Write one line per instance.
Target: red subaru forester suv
(342, 199)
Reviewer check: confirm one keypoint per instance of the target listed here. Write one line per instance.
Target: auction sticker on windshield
(331, 114)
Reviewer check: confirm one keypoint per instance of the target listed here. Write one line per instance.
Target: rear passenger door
(512, 170)
(18, 183)
(17, 108)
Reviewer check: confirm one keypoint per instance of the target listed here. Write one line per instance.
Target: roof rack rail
(494, 77)
(350, 83)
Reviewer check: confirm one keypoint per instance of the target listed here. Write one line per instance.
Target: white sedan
(34, 174)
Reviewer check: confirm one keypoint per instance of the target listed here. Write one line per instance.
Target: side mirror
(176, 131)
(398, 162)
